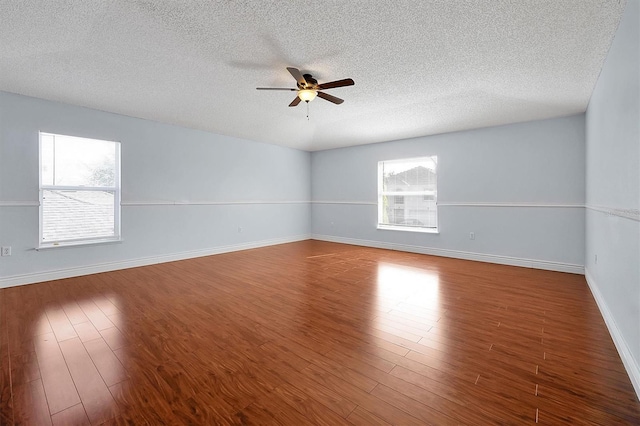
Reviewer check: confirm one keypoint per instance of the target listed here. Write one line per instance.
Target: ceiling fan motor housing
(311, 83)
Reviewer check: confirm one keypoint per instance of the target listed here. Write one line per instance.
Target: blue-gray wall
(519, 188)
(220, 184)
(613, 191)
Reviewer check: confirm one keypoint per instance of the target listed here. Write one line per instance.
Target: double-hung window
(79, 190)
(407, 194)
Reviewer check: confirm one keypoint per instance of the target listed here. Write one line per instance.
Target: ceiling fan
(308, 88)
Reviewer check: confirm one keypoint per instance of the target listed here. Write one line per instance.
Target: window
(79, 190)
(429, 197)
(407, 194)
(398, 199)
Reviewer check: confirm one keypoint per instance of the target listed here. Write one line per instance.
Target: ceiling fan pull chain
(307, 110)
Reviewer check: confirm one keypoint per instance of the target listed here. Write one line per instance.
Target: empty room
(331, 213)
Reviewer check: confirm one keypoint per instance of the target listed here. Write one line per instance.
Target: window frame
(422, 193)
(116, 189)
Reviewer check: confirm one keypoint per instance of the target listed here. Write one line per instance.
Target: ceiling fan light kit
(308, 88)
(307, 95)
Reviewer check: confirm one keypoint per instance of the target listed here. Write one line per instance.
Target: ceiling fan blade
(330, 98)
(275, 88)
(337, 83)
(295, 72)
(295, 102)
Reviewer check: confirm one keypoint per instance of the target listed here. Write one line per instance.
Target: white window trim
(117, 237)
(78, 243)
(406, 228)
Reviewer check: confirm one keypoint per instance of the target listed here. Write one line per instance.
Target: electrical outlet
(472, 235)
(6, 251)
(240, 229)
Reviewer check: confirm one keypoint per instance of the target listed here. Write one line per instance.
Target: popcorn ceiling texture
(420, 67)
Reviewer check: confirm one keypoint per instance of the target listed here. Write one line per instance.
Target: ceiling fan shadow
(281, 58)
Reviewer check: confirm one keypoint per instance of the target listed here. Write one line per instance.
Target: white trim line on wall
(204, 203)
(143, 261)
(629, 213)
(366, 203)
(19, 204)
(630, 363)
(478, 204)
(633, 214)
(457, 254)
(466, 204)
(162, 203)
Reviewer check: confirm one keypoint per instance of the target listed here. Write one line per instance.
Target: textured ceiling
(420, 67)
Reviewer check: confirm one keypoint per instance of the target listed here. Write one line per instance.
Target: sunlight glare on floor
(74, 346)
(405, 284)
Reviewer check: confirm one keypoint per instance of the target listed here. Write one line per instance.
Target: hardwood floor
(311, 333)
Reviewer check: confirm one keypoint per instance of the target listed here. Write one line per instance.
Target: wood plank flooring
(311, 333)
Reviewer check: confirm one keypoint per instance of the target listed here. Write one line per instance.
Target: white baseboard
(143, 261)
(630, 363)
(457, 254)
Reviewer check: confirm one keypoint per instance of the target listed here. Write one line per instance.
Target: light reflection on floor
(75, 346)
(405, 284)
(411, 297)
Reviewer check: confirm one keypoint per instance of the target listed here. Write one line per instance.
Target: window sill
(78, 244)
(409, 229)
